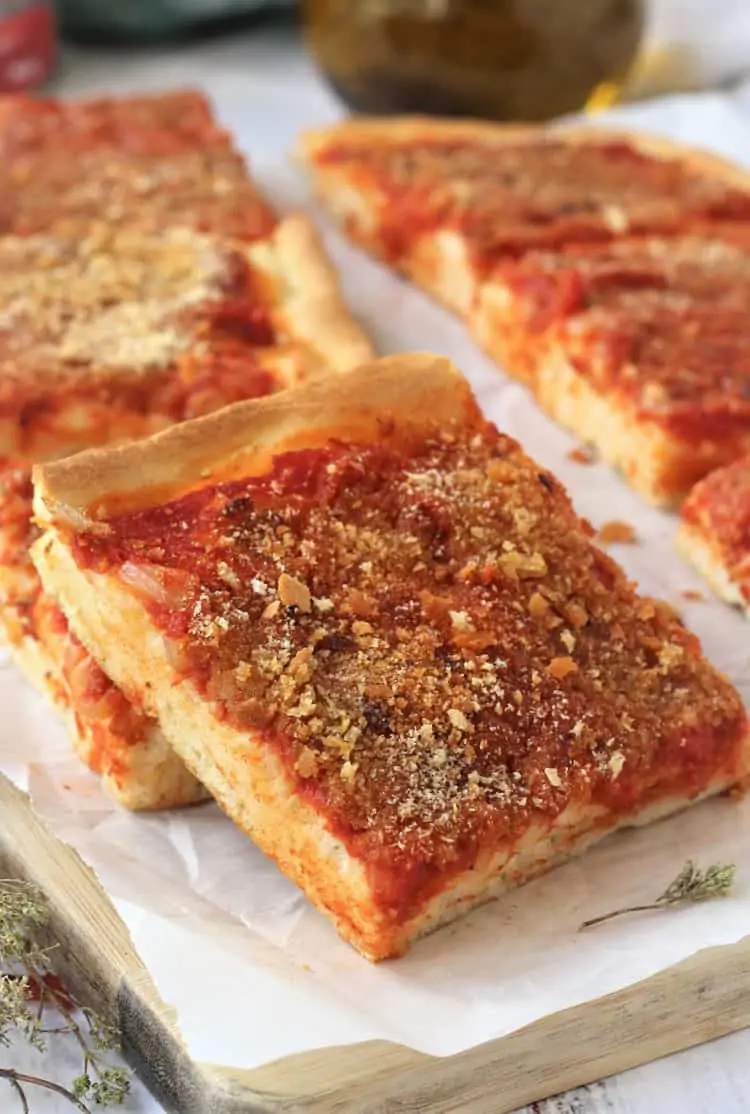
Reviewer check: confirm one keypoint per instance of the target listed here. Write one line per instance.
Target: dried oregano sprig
(31, 996)
(691, 884)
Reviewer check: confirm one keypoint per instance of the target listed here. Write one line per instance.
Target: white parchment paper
(254, 972)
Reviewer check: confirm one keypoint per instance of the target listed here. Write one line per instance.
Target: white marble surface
(269, 67)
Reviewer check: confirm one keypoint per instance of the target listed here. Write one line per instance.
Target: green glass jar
(501, 59)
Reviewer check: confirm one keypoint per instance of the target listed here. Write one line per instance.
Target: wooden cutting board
(702, 998)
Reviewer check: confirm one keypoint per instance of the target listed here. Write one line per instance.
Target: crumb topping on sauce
(509, 197)
(429, 640)
(118, 332)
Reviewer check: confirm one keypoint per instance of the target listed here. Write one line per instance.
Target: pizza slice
(639, 346)
(382, 638)
(122, 311)
(714, 532)
(445, 200)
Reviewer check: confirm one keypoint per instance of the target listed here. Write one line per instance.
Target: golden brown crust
(237, 440)
(309, 305)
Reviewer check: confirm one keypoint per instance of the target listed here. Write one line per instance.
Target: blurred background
(503, 59)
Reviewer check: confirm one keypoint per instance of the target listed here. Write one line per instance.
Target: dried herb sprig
(691, 885)
(29, 991)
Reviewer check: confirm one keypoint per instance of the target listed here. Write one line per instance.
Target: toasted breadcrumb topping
(478, 663)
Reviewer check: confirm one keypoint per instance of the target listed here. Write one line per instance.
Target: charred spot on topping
(337, 643)
(376, 717)
(546, 481)
(241, 505)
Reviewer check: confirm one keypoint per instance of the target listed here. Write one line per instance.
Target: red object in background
(28, 43)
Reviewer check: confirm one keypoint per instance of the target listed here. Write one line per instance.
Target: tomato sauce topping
(658, 322)
(429, 641)
(508, 198)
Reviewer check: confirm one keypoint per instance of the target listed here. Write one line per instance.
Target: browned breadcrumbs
(692, 594)
(581, 455)
(428, 639)
(616, 532)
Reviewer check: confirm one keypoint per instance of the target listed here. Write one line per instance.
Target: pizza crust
(384, 401)
(696, 548)
(310, 309)
(239, 440)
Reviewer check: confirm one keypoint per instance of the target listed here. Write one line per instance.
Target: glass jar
(502, 59)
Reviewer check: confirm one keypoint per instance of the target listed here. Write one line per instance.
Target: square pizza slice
(383, 639)
(147, 281)
(153, 160)
(714, 532)
(444, 200)
(639, 346)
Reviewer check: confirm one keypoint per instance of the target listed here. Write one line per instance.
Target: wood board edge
(699, 999)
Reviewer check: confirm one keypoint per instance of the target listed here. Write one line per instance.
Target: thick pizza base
(243, 773)
(138, 767)
(144, 774)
